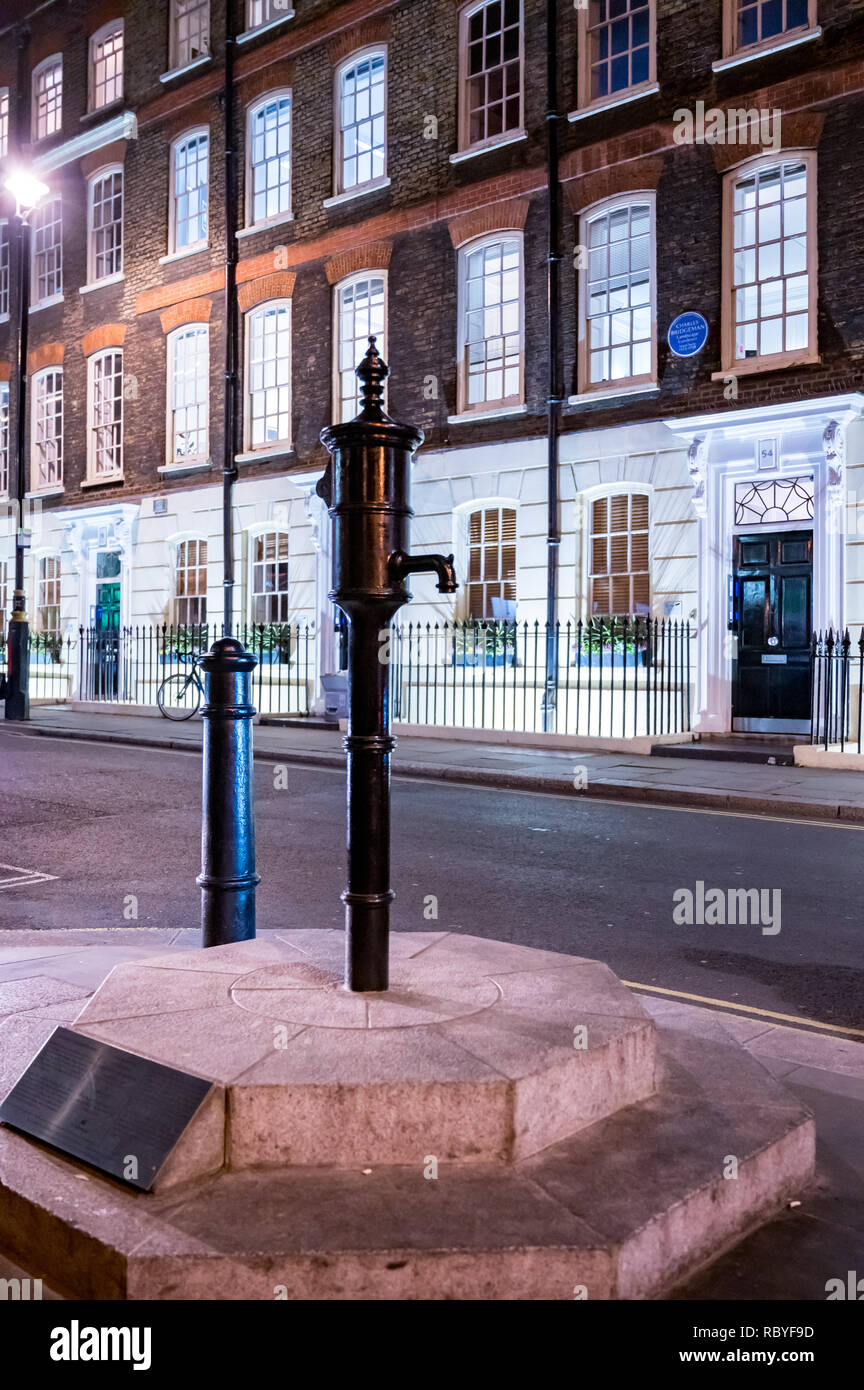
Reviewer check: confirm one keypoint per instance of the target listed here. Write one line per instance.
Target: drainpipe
(229, 468)
(554, 399)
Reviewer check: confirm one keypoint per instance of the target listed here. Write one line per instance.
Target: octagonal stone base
(479, 1051)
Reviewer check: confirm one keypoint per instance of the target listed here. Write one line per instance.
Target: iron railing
(127, 665)
(837, 683)
(616, 677)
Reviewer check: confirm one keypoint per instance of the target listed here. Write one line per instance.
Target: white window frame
(179, 57)
(50, 120)
(94, 474)
(261, 533)
(180, 549)
(271, 12)
(56, 274)
(108, 31)
(43, 580)
(357, 277)
(482, 505)
(790, 357)
(5, 398)
(784, 39)
(198, 330)
(4, 122)
(509, 132)
(38, 427)
(173, 248)
(283, 214)
(378, 50)
(464, 252)
(605, 208)
(283, 444)
(597, 494)
(93, 278)
(5, 264)
(588, 102)
(5, 590)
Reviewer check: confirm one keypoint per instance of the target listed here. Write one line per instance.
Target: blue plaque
(687, 335)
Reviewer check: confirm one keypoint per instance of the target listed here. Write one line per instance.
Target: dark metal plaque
(104, 1106)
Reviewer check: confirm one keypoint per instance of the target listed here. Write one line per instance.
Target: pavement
(807, 793)
(46, 977)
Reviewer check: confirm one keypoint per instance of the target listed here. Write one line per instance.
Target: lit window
(361, 310)
(190, 583)
(48, 596)
(491, 561)
(105, 452)
(47, 233)
(4, 270)
(47, 438)
(270, 158)
(189, 395)
(616, 47)
(770, 264)
(260, 12)
(268, 336)
(189, 188)
(4, 446)
(106, 225)
(491, 57)
(4, 122)
(270, 577)
(190, 31)
(48, 97)
(362, 122)
(491, 319)
(755, 23)
(106, 65)
(620, 584)
(617, 336)
(5, 586)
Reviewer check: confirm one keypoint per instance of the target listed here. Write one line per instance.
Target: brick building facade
(390, 168)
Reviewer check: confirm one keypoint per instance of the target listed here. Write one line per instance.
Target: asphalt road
(592, 878)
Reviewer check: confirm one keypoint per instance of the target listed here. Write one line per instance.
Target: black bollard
(366, 488)
(228, 878)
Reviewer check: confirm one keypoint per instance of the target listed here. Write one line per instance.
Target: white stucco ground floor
(744, 530)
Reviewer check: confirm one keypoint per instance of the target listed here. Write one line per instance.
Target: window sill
(585, 111)
(751, 55)
(109, 109)
(194, 466)
(586, 398)
(511, 138)
(187, 67)
(101, 482)
(273, 451)
(266, 224)
(466, 417)
(4, 318)
(356, 193)
(751, 366)
(100, 284)
(264, 28)
(46, 492)
(46, 303)
(181, 255)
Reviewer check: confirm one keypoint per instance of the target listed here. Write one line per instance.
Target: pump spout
(402, 565)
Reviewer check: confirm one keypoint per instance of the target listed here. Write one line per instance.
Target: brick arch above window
(48, 355)
(273, 78)
(801, 131)
(103, 13)
(5, 371)
(279, 285)
(45, 45)
(108, 335)
(192, 311)
(634, 176)
(375, 255)
(507, 216)
(370, 31)
(115, 153)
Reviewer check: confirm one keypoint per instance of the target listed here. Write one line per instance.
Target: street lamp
(28, 191)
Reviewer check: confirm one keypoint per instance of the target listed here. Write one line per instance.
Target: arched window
(268, 375)
(361, 98)
(269, 159)
(269, 579)
(188, 395)
(190, 583)
(4, 122)
(491, 547)
(190, 177)
(490, 59)
(4, 269)
(47, 429)
(106, 65)
(105, 409)
(619, 579)
(47, 117)
(491, 314)
(47, 252)
(105, 216)
(4, 445)
(360, 310)
(617, 294)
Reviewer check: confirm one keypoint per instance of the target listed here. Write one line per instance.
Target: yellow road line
(746, 1009)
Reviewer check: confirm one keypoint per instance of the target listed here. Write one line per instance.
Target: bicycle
(173, 696)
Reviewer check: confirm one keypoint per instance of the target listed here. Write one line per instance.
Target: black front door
(773, 614)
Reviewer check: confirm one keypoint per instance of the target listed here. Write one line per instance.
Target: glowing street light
(27, 190)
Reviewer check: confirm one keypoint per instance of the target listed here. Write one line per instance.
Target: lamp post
(27, 191)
